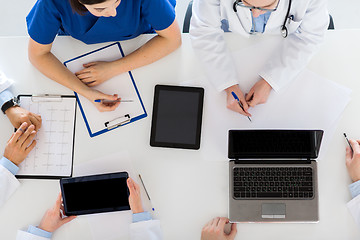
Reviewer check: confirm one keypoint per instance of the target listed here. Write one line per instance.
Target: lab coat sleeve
(146, 230)
(354, 208)
(5, 82)
(296, 50)
(8, 184)
(208, 41)
(22, 235)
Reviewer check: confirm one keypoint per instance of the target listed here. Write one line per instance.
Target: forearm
(155, 49)
(52, 68)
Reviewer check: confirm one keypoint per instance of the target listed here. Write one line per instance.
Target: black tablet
(95, 194)
(177, 117)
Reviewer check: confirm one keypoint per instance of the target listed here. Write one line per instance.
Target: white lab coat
(144, 230)
(306, 31)
(354, 207)
(8, 184)
(4, 82)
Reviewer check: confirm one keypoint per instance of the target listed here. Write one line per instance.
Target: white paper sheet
(52, 155)
(114, 225)
(308, 102)
(121, 84)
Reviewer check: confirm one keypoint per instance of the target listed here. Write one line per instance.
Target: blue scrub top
(134, 17)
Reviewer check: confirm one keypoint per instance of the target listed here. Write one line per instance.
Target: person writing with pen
(99, 21)
(302, 24)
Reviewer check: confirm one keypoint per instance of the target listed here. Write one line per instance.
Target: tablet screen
(177, 117)
(95, 194)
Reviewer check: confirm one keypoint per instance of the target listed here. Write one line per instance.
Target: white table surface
(187, 190)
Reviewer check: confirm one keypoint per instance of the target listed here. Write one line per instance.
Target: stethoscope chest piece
(284, 31)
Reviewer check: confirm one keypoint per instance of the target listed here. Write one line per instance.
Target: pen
(109, 101)
(348, 142)
(240, 104)
(147, 194)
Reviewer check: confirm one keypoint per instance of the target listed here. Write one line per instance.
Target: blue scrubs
(134, 17)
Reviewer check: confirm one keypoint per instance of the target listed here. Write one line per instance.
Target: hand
(214, 230)
(53, 219)
(135, 197)
(20, 144)
(353, 160)
(259, 93)
(232, 104)
(95, 73)
(18, 115)
(104, 106)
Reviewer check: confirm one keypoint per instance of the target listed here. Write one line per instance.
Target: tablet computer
(95, 194)
(177, 117)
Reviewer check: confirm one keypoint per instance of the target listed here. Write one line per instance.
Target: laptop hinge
(259, 161)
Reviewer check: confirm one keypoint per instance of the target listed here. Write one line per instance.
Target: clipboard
(53, 155)
(124, 85)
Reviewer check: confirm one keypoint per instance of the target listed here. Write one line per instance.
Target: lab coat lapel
(277, 18)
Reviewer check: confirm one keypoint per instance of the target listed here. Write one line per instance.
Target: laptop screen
(274, 143)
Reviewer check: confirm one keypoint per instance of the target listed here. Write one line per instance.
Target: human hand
(53, 219)
(103, 106)
(18, 115)
(95, 73)
(135, 197)
(20, 144)
(353, 160)
(214, 230)
(232, 104)
(259, 93)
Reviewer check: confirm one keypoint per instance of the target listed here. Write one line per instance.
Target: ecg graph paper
(52, 155)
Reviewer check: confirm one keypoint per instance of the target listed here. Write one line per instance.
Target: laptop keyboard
(273, 182)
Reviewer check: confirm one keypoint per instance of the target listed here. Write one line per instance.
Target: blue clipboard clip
(118, 122)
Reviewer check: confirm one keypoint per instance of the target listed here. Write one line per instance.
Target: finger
(12, 136)
(84, 76)
(221, 223)
(85, 70)
(57, 205)
(215, 222)
(233, 231)
(67, 219)
(19, 132)
(249, 95)
(28, 140)
(39, 119)
(25, 135)
(31, 147)
(245, 105)
(35, 122)
(355, 146)
(109, 97)
(89, 64)
(92, 84)
(130, 184)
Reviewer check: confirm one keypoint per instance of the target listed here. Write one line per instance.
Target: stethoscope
(284, 30)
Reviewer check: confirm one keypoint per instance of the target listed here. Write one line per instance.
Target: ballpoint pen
(240, 104)
(147, 194)
(110, 101)
(348, 142)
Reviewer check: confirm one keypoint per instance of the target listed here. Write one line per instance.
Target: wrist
(10, 110)
(138, 210)
(231, 88)
(117, 67)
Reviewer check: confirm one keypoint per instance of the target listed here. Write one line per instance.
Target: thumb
(233, 231)
(67, 219)
(348, 155)
(109, 97)
(249, 95)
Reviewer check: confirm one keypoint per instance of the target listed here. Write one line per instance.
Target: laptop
(273, 175)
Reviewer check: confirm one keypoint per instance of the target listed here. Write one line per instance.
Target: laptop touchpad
(273, 210)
